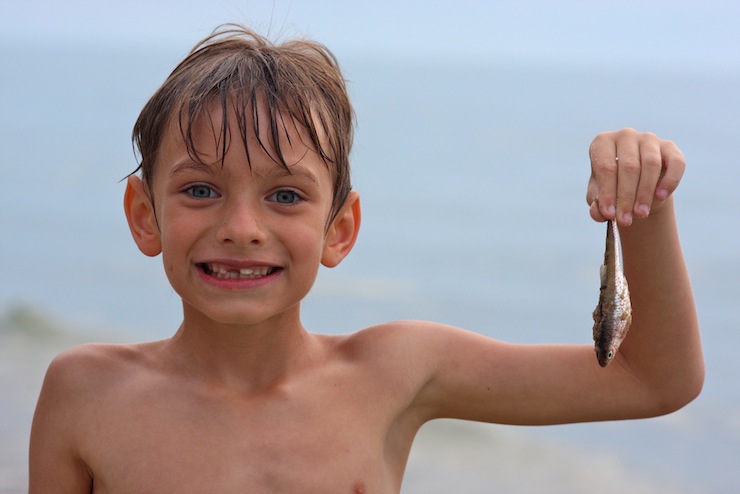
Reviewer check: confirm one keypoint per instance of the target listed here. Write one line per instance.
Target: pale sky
(679, 33)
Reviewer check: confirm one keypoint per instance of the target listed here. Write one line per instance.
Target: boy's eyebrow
(277, 171)
(295, 170)
(190, 165)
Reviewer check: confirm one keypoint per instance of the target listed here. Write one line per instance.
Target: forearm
(663, 346)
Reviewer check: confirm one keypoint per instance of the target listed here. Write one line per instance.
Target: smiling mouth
(224, 272)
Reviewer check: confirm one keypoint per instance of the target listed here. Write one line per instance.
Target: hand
(632, 174)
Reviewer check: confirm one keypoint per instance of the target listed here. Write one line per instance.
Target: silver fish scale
(613, 314)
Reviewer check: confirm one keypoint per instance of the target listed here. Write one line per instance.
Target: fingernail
(611, 211)
(627, 218)
(643, 210)
(662, 194)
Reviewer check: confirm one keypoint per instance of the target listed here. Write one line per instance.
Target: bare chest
(178, 442)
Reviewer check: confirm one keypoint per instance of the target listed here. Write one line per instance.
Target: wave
(26, 323)
(473, 458)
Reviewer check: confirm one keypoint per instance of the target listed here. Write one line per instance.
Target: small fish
(613, 315)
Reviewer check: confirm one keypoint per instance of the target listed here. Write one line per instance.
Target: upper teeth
(226, 272)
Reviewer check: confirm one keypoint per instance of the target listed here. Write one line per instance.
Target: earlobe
(343, 232)
(140, 215)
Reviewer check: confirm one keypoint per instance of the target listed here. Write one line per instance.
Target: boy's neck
(244, 358)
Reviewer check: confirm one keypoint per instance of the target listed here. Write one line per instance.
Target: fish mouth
(605, 356)
(226, 272)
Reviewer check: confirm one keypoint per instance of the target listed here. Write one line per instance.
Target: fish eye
(610, 354)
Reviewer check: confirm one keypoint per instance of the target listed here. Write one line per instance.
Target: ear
(140, 216)
(342, 232)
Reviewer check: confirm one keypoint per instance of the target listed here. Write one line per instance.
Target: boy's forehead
(275, 136)
(199, 148)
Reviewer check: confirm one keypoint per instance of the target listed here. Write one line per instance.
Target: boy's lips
(228, 271)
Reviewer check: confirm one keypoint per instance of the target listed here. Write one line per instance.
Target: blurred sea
(473, 180)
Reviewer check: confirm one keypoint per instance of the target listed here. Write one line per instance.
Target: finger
(628, 178)
(604, 174)
(592, 192)
(592, 198)
(651, 166)
(674, 165)
(595, 212)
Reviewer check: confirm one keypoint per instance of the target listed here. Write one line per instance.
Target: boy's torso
(345, 427)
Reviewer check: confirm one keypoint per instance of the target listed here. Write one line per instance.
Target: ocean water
(472, 178)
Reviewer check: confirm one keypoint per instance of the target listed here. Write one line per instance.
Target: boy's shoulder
(100, 356)
(83, 370)
(409, 347)
(397, 336)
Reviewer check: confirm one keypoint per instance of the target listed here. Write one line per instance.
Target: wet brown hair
(235, 68)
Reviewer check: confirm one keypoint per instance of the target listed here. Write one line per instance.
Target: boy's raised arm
(659, 367)
(663, 347)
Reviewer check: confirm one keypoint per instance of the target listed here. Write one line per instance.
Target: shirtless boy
(244, 190)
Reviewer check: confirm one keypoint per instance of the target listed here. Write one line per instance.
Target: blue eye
(285, 197)
(201, 192)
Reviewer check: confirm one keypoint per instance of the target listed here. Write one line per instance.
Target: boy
(245, 191)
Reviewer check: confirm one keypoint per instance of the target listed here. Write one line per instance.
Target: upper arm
(55, 463)
(474, 377)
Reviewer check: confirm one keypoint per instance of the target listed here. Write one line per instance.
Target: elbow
(683, 392)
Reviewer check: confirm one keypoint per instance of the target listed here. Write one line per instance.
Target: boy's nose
(241, 224)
